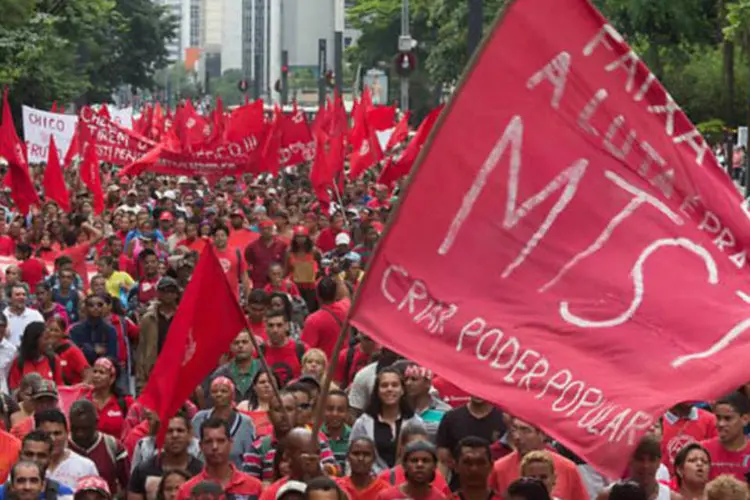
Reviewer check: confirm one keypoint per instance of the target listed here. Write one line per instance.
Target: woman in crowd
(692, 470)
(257, 406)
(75, 366)
(386, 416)
(34, 357)
(303, 265)
(111, 405)
(314, 363)
(282, 302)
(241, 428)
(539, 465)
(46, 305)
(361, 484)
(170, 484)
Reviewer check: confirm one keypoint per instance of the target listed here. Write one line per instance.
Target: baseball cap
(166, 216)
(301, 231)
(170, 195)
(167, 282)
(92, 483)
(266, 223)
(291, 486)
(132, 192)
(343, 239)
(45, 389)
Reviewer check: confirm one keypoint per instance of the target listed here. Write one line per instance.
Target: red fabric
(449, 392)
(10, 448)
(259, 330)
(260, 256)
(33, 271)
(369, 493)
(439, 483)
(321, 328)
(284, 361)
(78, 255)
(240, 485)
(40, 366)
(20, 429)
(147, 289)
(359, 361)
(54, 182)
(114, 470)
(395, 493)
(18, 179)
(400, 133)
(73, 362)
(69, 394)
(297, 143)
(233, 265)
(723, 461)
(263, 426)
(563, 263)
(111, 416)
(269, 493)
(378, 119)
(89, 168)
(7, 246)
(137, 433)
(327, 239)
(207, 320)
(685, 431)
(269, 157)
(401, 166)
(287, 286)
(114, 143)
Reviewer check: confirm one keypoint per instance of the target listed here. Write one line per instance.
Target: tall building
(188, 34)
(255, 41)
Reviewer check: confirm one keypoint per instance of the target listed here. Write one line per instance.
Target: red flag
(602, 249)
(54, 182)
(321, 176)
(400, 133)
(74, 148)
(61, 109)
(378, 120)
(359, 132)
(54, 107)
(269, 157)
(89, 168)
(104, 111)
(297, 143)
(400, 166)
(207, 320)
(22, 188)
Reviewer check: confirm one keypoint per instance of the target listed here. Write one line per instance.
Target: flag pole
(264, 364)
(326, 386)
(341, 203)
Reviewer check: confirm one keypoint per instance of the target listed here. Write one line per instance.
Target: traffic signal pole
(405, 33)
(338, 44)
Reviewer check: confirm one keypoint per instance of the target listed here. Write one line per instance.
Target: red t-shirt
(131, 330)
(395, 493)
(322, 327)
(41, 366)
(396, 477)
(240, 485)
(32, 271)
(450, 393)
(287, 286)
(7, 246)
(72, 361)
(678, 432)
(327, 239)
(369, 493)
(234, 266)
(286, 361)
(359, 360)
(723, 461)
(111, 415)
(147, 290)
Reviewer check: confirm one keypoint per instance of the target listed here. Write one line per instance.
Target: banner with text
(584, 264)
(38, 125)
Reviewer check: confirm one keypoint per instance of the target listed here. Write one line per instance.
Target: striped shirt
(258, 462)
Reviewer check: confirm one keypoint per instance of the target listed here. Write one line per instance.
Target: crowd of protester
(391, 429)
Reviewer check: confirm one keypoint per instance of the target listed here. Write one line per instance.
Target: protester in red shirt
(420, 465)
(684, 424)
(303, 454)
(231, 261)
(216, 446)
(111, 406)
(8, 241)
(360, 484)
(729, 451)
(303, 265)
(75, 366)
(396, 476)
(263, 252)
(256, 307)
(327, 237)
(34, 357)
(283, 355)
(353, 358)
(33, 270)
(322, 328)
(278, 283)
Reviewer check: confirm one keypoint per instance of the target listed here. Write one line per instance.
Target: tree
(227, 87)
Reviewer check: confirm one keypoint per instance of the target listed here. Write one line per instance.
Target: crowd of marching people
(87, 306)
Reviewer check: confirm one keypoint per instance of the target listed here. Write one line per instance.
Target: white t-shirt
(17, 323)
(70, 470)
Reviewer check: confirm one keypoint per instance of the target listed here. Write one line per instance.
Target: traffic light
(330, 78)
(242, 85)
(405, 63)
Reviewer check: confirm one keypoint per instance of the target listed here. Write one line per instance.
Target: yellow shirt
(118, 280)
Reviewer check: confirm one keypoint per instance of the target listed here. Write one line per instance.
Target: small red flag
(207, 320)
(89, 169)
(54, 107)
(400, 133)
(11, 148)
(269, 157)
(54, 182)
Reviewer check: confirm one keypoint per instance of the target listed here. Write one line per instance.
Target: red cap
(238, 213)
(377, 226)
(266, 223)
(166, 216)
(311, 216)
(301, 231)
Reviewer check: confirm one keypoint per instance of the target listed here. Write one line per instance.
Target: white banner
(38, 125)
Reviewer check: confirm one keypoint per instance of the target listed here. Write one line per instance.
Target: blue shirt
(63, 492)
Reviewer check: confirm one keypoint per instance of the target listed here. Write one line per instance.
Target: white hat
(343, 239)
(170, 195)
(183, 180)
(291, 486)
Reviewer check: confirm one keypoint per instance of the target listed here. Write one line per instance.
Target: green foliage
(79, 50)
(227, 88)
(712, 130)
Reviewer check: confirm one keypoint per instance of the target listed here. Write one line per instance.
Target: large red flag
(89, 168)
(22, 188)
(54, 182)
(601, 249)
(378, 119)
(207, 320)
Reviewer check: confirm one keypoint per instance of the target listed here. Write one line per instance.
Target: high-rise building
(255, 41)
(187, 13)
